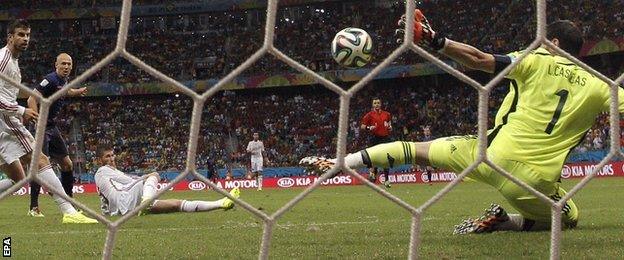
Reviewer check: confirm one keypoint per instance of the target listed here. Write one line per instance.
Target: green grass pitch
(331, 223)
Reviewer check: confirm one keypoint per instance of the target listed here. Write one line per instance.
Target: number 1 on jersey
(563, 96)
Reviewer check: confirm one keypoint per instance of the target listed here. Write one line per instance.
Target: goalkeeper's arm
(462, 53)
(469, 56)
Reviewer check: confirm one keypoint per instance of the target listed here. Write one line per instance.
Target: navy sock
(67, 180)
(34, 194)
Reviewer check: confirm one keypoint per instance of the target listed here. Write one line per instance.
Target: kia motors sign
(568, 171)
(196, 185)
(285, 182)
(581, 170)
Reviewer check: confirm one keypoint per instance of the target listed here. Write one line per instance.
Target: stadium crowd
(209, 45)
(151, 132)
(56, 4)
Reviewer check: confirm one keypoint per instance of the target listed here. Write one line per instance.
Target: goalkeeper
(550, 105)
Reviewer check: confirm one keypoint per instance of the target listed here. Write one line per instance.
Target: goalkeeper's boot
(493, 216)
(78, 218)
(228, 203)
(35, 212)
(318, 165)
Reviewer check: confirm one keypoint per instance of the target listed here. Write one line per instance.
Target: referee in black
(54, 145)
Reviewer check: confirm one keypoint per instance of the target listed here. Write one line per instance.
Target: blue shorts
(54, 145)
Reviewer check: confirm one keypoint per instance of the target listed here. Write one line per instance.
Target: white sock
(46, 174)
(198, 205)
(354, 160)
(6, 184)
(515, 223)
(149, 187)
(259, 181)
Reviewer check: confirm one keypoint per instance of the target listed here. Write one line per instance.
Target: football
(352, 48)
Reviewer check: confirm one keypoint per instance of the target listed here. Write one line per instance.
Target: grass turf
(331, 223)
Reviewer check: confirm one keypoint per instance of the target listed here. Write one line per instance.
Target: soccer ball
(352, 48)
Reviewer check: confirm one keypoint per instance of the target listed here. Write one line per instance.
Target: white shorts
(15, 140)
(125, 201)
(256, 165)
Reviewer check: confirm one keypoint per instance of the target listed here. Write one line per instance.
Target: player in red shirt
(378, 123)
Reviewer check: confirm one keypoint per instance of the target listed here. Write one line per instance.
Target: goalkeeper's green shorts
(458, 152)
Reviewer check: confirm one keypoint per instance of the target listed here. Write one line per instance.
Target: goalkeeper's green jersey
(551, 104)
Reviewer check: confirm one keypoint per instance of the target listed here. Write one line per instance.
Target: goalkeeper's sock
(46, 174)
(5, 184)
(385, 155)
(259, 181)
(198, 205)
(515, 223)
(149, 187)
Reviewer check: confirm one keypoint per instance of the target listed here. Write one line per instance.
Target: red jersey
(381, 121)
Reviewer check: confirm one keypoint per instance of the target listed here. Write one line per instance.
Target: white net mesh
(345, 97)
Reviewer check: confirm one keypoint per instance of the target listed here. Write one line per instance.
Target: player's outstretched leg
(200, 206)
(385, 155)
(174, 205)
(34, 210)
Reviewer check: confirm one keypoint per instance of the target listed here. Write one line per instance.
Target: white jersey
(119, 192)
(255, 148)
(15, 140)
(9, 67)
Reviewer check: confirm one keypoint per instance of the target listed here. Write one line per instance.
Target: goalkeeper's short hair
(569, 35)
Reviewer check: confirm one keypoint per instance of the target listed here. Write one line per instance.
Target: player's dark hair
(102, 148)
(376, 98)
(569, 35)
(18, 23)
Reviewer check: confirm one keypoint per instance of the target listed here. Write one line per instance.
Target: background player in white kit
(15, 141)
(120, 192)
(255, 148)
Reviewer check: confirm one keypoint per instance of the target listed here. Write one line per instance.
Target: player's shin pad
(389, 155)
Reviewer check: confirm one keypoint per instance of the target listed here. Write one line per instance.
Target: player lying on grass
(120, 192)
(550, 105)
